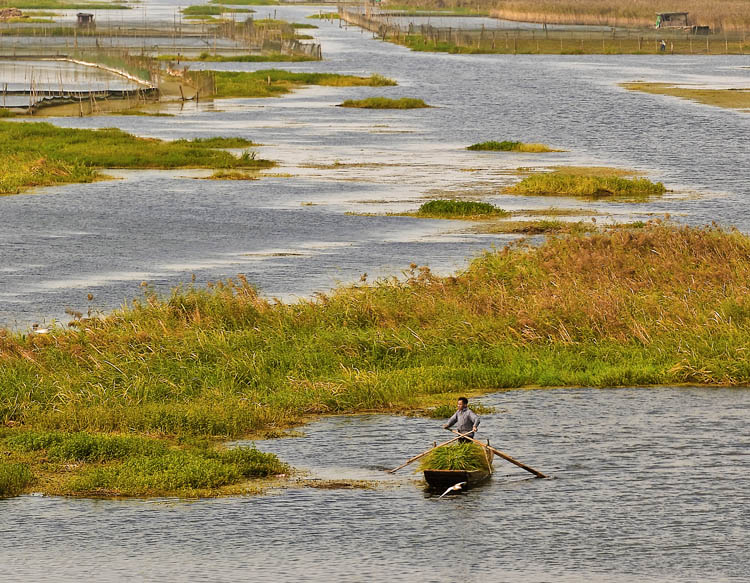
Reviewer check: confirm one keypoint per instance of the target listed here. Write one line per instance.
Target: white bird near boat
(454, 488)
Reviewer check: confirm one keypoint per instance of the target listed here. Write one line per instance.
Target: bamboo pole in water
(505, 456)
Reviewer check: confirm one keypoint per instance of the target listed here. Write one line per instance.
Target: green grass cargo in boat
(455, 463)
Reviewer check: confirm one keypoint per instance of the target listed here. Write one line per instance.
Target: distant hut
(85, 20)
(671, 19)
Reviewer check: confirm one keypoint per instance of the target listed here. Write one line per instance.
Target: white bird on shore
(454, 488)
(35, 329)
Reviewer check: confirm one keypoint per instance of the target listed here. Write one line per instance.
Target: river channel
(648, 484)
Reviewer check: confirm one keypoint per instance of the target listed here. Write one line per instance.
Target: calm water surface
(648, 485)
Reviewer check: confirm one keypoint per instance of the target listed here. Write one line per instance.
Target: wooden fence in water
(546, 40)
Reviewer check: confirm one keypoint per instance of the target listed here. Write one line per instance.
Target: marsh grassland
(591, 183)
(656, 304)
(40, 154)
(275, 82)
(510, 146)
(458, 209)
(385, 103)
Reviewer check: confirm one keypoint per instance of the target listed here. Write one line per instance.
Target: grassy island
(207, 57)
(275, 82)
(41, 154)
(562, 183)
(510, 146)
(654, 305)
(459, 209)
(385, 103)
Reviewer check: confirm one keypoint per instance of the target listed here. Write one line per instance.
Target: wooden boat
(441, 479)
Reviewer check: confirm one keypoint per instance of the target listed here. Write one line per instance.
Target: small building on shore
(85, 20)
(671, 20)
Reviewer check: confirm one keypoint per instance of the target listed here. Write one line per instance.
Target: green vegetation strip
(560, 183)
(275, 82)
(653, 305)
(509, 146)
(325, 16)
(728, 98)
(458, 456)
(459, 209)
(385, 103)
(126, 465)
(209, 58)
(40, 154)
(14, 478)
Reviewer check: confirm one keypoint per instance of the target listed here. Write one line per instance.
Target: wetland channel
(647, 486)
(648, 483)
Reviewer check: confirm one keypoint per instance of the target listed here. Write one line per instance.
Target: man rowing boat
(465, 420)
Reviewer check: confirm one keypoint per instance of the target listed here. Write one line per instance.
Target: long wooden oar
(424, 453)
(505, 456)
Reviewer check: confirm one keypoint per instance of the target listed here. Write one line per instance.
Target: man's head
(462, 404)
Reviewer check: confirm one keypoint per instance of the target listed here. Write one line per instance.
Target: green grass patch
(182, 472)
(451, 209)
(127, 465)
(385, 103)
(204, 10)
(85, 447)
(509, 146)
(14, 477)
(19, 172)
(40, 154)
(457, 456)
(269, 57)
(4, 112)
(560, 183)
(275, 82)
(325, 16)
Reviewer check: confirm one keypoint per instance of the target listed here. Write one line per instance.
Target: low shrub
(459, 208)
(560, 183)
(509, 146)
(14, 477)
